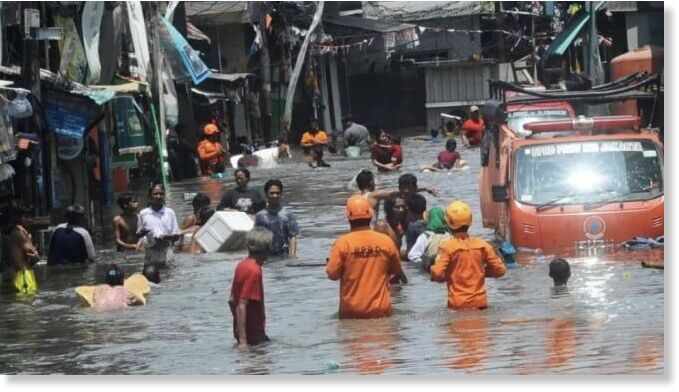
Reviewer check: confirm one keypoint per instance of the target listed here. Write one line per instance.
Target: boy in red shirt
(247, 290)
(396, 152)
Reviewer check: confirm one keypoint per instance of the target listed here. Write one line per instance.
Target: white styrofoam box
(225, 231)
(267, 158)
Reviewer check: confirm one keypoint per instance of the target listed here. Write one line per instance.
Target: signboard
(130, 134)
(124, 161)
(583, 148)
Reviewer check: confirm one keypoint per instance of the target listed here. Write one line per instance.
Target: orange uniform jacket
(464, 262)
(320, 138)
(210, 151)
(364, 260)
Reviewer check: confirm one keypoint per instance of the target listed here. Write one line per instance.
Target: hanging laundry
(135, 16)
(91, 23)
(111, 33)
(73, 62)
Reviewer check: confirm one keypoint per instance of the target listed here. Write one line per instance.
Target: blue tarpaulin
(66, 120)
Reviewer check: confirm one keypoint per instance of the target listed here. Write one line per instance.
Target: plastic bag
(20, 107)
(171, 110)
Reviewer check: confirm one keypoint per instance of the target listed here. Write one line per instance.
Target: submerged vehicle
(551, 180)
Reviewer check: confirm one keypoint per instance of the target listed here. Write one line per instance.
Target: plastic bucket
(353, 152)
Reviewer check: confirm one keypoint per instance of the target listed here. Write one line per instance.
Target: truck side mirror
(499, 193)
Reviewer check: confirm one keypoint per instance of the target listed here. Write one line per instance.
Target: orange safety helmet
(210, 129)
(358, 207)
(458, 214)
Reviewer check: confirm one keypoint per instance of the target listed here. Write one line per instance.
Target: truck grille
(657, 221)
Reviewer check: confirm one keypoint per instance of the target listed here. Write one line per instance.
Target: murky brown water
(610, 322)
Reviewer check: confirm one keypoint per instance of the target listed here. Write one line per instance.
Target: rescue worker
(313, 141)
(463, 262)
(363, 260)
(210, 150)
(472, 128)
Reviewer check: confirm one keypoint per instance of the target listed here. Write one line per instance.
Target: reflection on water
(560, 343)
(471, 341)
(610, 321)
(370, 346)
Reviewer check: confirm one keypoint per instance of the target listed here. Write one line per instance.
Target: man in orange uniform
(472, 128)
(364, 260)
(464, 262)
(210, 150)
(313, 142)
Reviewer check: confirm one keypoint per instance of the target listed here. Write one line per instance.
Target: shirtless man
(365, 180)
(21, 253)
(125, 224)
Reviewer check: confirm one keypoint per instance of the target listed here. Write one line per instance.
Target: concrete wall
(644, 28)
(233, 50)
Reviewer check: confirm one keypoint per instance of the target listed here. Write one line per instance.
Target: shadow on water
(610, 321)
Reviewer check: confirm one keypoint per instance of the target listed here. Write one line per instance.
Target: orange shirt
(210, 151)
(321, 137)
(464, 262)
(474, 130)
(364, 260)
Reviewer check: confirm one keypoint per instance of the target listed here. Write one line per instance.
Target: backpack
(432, 248)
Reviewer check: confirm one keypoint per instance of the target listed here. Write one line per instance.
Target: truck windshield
(517, 119)
(588, 172)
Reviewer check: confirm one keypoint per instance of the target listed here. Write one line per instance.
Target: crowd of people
(366, 261)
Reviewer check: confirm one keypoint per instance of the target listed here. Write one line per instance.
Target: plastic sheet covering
(7, 139)
(174, 67)
(6, 172)
(91, 23)
(175, 47)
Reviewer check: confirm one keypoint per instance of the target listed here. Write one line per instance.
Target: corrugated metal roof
(455, 63)
(198, 8)
(621, 6)
(423, 10)
(379, 26)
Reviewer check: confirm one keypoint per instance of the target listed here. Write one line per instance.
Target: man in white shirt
(158, 227)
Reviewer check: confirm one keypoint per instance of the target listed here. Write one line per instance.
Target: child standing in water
(125, 224)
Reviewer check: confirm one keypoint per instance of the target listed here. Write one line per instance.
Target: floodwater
(611, 321)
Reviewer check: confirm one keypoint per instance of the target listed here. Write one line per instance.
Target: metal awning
(562, 41)
(233, 77)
